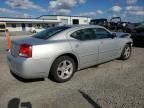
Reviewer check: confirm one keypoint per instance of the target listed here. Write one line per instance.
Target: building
(67, 20)
(25, 24)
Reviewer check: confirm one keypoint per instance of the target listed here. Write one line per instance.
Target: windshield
(45, 34)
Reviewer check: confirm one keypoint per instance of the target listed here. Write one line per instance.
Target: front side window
(91, 34)
(84, 34)
(101, 33)
(45, 34)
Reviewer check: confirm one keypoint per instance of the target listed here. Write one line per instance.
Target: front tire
(126, 53)
(62, 69)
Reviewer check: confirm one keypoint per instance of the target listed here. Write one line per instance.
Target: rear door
(86, 47)
(108, 47)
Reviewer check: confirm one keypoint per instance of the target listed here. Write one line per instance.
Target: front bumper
(28, 68)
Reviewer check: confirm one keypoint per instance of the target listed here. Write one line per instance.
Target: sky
(128, 10)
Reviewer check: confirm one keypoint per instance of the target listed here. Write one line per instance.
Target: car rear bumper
(28, 68)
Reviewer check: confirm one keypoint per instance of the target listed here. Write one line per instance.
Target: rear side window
(84, 34)
(45, 34)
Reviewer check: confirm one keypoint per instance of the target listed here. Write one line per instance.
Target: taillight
(25, 50)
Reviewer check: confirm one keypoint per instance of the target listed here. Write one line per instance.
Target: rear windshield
(45, 34)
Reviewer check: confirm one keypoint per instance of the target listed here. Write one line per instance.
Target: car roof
(83, 26)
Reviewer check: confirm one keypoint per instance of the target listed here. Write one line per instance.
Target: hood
(122, 34)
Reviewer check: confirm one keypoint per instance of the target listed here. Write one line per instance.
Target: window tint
(101, 33)
(45, 34)
(84, 34)
(91, 34)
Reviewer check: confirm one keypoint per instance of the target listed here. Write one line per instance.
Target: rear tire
(126, 53)
(62, 69)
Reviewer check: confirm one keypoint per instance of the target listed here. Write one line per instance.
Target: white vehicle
(2, 26)
(35, 30)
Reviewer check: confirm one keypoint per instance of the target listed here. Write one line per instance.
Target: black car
(101, 22)
(115, 24)
(138, 34)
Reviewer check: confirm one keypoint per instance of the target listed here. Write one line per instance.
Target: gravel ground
(16, 33)
(116, 84)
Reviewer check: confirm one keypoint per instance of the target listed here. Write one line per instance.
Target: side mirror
(113, 35)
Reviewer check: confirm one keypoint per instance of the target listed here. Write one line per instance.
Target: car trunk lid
(15, 44)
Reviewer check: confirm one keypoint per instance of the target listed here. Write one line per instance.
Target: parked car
(138, 34)
(115, 24)
(140, 28)
(60, 51)
(130, 28)
(101, 22)
(35, 30)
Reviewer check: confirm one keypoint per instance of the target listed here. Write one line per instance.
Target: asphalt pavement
(115, 84)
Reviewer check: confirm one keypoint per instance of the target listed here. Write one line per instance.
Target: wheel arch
(122, 53)
(73, 56)
(130, 43)
(126, 43)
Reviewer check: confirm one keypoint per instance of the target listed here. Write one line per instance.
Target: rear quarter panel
(45, 54)
(51, 49)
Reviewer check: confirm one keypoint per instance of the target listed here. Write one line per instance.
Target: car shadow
(89, 99)
(89, 67)
(16, 103)
(26, 80)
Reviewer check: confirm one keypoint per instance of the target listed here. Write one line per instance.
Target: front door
(108, 48)
(23, 27)
(85, 46)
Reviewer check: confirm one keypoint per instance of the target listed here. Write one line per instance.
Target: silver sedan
(60, 51)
